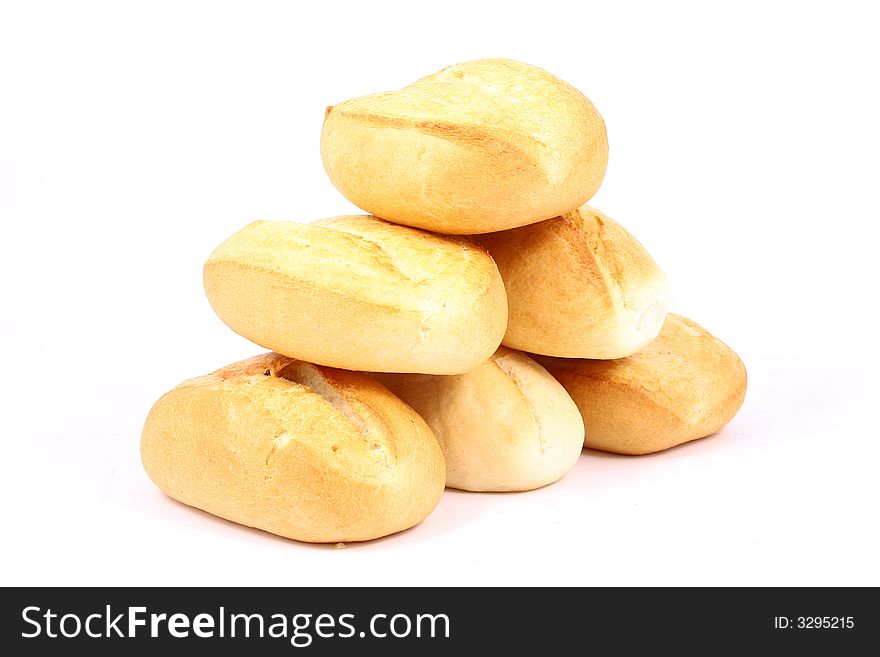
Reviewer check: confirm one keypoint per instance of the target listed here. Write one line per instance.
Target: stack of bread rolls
(476, 330)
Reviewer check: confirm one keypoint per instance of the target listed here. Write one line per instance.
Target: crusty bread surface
(506, 425)
(306, 452)
(476, 147)
(684, 385)
(359, 293)
(579, 286)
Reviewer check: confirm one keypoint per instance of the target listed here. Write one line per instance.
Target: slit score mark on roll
(507, 363)
(307, 375)
(311, 377)
(278, 443)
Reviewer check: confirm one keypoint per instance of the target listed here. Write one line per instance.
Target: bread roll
(477, 147)
(579, 286)
(360, 293)
(684, 385)
(505, 425)
(307, 452)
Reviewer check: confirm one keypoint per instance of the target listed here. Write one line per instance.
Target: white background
(745, 154)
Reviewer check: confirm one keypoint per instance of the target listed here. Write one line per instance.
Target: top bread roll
(579, 286)
(359, 293)
(477, 147)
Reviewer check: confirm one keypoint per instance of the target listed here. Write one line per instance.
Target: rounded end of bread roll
(302, 451)
(579, 286)
(360, 293)
(477, 147)
(684, 385)
(506, 425)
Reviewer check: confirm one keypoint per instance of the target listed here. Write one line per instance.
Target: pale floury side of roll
(579, 286)
(360, 293)
(306, 452)
(506, 425)
(476, 147)
(684, 385)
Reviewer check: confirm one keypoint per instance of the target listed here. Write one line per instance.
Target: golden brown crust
(578, 286)
(505, 425)
(302, 451)
(477, 147)
(360, 293)
(684, 385)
